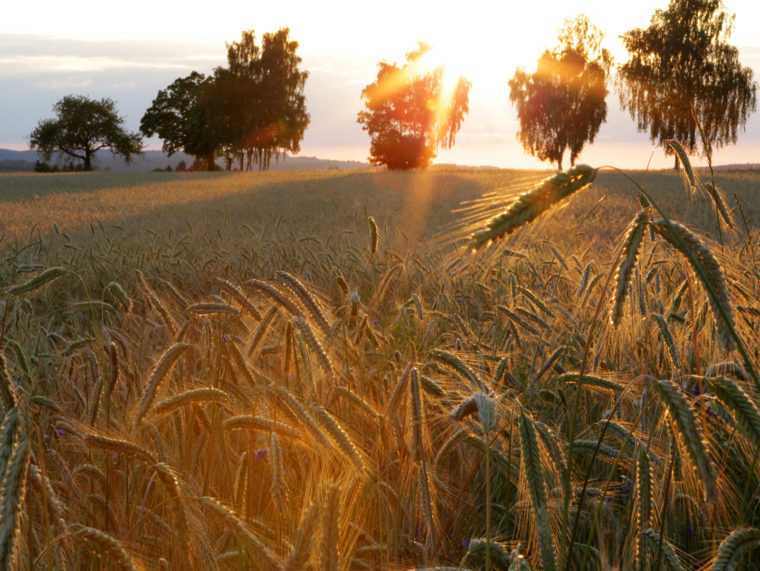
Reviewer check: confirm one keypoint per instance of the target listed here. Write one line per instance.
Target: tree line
(682, 80)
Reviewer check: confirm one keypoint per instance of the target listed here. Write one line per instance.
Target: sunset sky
(129, 52)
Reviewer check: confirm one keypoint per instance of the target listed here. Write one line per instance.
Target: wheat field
(463, 369)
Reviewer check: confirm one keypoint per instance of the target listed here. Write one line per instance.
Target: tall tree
(682, 75)
(561, 106)
(258, 101)
(84, 126)
(410, 115)
(178, 116)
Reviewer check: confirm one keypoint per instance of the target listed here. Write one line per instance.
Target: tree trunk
(675, 166)
(87, 160)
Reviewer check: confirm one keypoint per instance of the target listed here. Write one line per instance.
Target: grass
(284, 369)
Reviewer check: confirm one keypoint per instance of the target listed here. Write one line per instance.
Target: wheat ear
(316, 347)
(237, 294)
(205, 394)
(373, 235)
(338, 435)
(672, 563)
(226, 514)
(745, 412)
(153, 299)
(12, 492)
(162, 368)
(530, 205)
(634, 236)
(105, 544)
(41, 280)
(534, 479)
(688, 172)
(455, 363)
(306, 298)
(5, 384)
(719, 200)
(667, 337)
(685, 427)
(275, 295)
(710, 274)
(734, 546)
(118, 292)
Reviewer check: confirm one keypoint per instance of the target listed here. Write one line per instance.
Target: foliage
(84, 126)
(253, 108)
(178, 116)
(682, 76)
(258, 101)
(561, 106)
(411, 113)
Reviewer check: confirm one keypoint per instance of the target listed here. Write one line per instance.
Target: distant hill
(20, 161)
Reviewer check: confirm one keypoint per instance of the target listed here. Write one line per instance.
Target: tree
(179, 116)
(84, 126)
(258, 101)
(562, 105)
(682, 76)
(410, 115)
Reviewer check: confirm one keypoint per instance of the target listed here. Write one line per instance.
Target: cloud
(27, 54)
(63, 84)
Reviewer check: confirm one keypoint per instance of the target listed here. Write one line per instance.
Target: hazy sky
(129, 52)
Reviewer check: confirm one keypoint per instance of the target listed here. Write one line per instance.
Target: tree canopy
(683, 76)
(561, 106)
(254, 108)
(177, 115)
(410, 114)
(82, 127)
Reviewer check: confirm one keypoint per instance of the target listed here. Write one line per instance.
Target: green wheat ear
(530, 205)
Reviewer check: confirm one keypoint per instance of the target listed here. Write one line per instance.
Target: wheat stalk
(330, 529)
(250, 422)
(643, 508)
